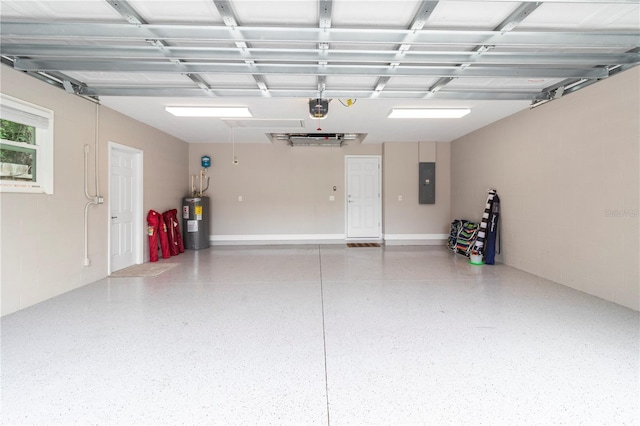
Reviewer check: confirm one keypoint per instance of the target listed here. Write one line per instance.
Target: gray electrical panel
(195, 216)
(427, 183)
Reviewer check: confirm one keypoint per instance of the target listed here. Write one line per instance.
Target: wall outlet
(332, 198)
(399, 197)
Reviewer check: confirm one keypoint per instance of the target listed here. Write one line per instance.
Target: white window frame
(11, 109)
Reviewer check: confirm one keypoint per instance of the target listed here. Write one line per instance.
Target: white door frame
(138, 185)
(346, 196)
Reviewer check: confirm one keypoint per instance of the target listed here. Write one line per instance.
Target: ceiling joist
(128, 12)
(314, 55)
(509, 23)
(165, 91)
(228, 16)
(307, 69)
(418, 22)
(47, 31)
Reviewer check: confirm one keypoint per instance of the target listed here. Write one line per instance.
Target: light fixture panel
(429, 112)
(226, 112)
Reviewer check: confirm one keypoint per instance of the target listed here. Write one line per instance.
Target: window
(26, 147)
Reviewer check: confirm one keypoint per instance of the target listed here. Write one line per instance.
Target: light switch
(240, 198)
(399, 197)
(332, 198)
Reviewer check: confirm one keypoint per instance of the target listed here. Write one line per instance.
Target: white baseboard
(389, 239)
(415, 239)
(227, 240)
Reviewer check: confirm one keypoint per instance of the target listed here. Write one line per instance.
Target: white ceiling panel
(88, 11)
(203, 43)
(584, 16)
(116, 78)
(185, 11)
(372, 14)
(410, 82)
(365, 116)
(364, 46)
(356, 82)
(265, 123)
(470, 14)
(271, 12)
(283, 81)
(293, 45)
(533, 84)
(228, 79)
(441, 48)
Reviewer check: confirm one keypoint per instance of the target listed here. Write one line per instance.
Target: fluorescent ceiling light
(227, 112)
(429, 112)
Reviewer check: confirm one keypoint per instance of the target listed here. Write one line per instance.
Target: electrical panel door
(427, 183)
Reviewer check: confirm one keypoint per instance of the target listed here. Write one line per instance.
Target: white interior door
(364, 201)
(123, 195)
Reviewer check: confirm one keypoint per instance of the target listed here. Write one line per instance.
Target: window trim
(43, 146)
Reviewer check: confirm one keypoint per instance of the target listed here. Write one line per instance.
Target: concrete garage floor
(322, 335)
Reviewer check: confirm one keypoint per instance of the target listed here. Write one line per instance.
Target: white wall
(406, 220)
(567, 174)
(42, 247)
(286, 191)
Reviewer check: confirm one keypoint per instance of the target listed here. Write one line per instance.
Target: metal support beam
(321, 82)
(133, 17)
(104, 31)
(307, 69)
(425, 10)
(379, 87)
(325, 8)
(229, 18)
(226, 11)
(438, 85)
(508, 24)
(418, 22)
(325, 12)
(283, 55)
(571, 85)
(127, 11)
(517, 16)
(59, 80)
(307, 93)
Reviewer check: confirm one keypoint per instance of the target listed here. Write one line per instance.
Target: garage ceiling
(495, 57)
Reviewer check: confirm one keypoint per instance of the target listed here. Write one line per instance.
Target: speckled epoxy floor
(322, 335)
